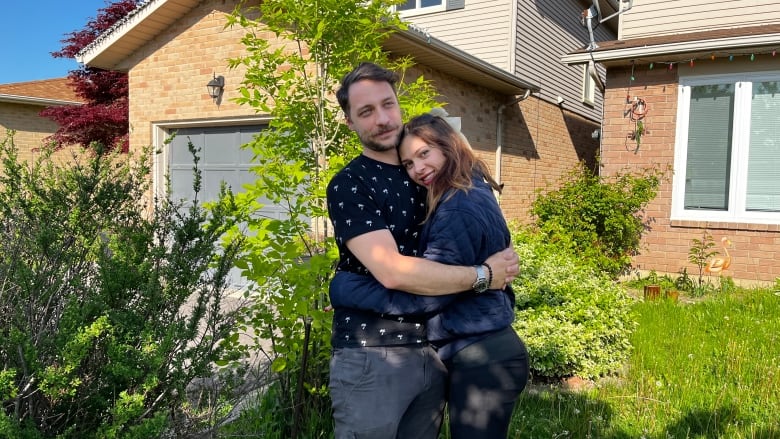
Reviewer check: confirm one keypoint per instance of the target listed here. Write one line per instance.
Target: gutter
(16, 99)
(617, 54)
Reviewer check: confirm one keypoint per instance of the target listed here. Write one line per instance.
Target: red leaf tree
(104, 118)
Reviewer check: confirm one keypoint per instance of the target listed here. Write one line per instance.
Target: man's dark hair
(365, 70)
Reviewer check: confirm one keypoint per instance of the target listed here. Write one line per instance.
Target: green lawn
(709, 369)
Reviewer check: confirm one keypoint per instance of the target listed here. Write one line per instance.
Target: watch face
(480, 285)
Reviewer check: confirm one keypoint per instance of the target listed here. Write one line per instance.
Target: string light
(692, 61)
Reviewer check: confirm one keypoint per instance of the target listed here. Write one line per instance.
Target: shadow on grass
(552, 412)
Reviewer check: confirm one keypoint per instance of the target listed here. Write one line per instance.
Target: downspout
(500, 133)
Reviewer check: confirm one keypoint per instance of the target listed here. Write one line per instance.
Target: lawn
(709, 369)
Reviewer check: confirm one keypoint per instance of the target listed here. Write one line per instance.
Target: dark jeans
(394, 392)
(485, 379)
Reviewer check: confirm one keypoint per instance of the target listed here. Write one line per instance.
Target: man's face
(374, 115)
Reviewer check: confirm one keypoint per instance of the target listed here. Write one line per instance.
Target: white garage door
(221, 159)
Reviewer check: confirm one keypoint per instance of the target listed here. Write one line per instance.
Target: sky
(32, 29)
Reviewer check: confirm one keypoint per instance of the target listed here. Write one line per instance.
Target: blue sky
(32, 29)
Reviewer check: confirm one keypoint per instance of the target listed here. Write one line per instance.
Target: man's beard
(379, 147)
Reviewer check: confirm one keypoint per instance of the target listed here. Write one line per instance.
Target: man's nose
(383, 117)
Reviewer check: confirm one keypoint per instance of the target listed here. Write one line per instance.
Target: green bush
(575, 320)
(599, 216)
(107, 309)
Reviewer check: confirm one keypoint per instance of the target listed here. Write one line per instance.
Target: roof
(47, 92)
(682, 46)
(111, 49)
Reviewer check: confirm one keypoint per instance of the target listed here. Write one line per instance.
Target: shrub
(573, 319)
(600, 217)
(107, 311)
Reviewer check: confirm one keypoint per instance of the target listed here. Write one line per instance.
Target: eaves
(679, 47)
(28, 100)
(112, 49)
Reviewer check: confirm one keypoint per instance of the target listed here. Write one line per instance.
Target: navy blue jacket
(464, 230)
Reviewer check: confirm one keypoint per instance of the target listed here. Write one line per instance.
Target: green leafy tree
(107, 311)
(289, 261)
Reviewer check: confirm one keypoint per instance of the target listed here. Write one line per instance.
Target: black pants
(485, 379)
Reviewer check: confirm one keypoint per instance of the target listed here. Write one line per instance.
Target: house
(172, 48)
(559, 125)
(694, 85)
(20, 105)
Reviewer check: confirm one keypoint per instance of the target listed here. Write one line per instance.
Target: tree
(104, 118)
(290, 261)
(108, 311)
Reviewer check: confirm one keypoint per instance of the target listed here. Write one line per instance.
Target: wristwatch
(481, 284)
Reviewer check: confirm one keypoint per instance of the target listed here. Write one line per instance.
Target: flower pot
(672, 295)
(652, 292)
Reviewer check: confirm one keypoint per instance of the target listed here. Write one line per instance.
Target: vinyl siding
(547, 30)
(482, 29)
(667, 17)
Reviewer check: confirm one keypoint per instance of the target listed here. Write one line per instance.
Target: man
(386, 382)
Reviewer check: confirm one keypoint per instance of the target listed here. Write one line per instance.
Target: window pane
(709, 147)
(427, 3)
(407, 5)
(763, 184)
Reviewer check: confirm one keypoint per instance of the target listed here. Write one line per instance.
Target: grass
(709, 369)
(704, 369)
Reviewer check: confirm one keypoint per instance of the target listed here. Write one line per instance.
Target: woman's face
(422, 161)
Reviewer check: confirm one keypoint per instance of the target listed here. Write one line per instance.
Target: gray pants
(394, 392)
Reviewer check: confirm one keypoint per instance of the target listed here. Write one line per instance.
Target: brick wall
(30, 128)
(664, 248)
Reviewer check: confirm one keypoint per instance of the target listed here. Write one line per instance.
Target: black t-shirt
(369, 195)
(365, 196)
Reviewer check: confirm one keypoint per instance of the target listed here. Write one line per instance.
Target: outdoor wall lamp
(215, 87)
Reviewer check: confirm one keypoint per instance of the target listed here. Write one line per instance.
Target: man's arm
(378, 252)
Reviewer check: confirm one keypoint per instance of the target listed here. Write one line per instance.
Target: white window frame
(588, 87)
(418, 10)
(736, 212)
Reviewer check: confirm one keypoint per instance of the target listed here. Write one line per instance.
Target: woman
(486, 360)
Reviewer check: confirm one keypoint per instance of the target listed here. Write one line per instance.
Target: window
(727, 159)
(588, 87)
(409, 5)
(416, 7)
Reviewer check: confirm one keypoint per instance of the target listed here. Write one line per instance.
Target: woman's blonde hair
(461, 164)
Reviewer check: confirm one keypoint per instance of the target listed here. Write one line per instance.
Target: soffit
(680, 47)
(127, 36)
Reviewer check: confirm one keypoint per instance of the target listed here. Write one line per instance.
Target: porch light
(215, 87)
